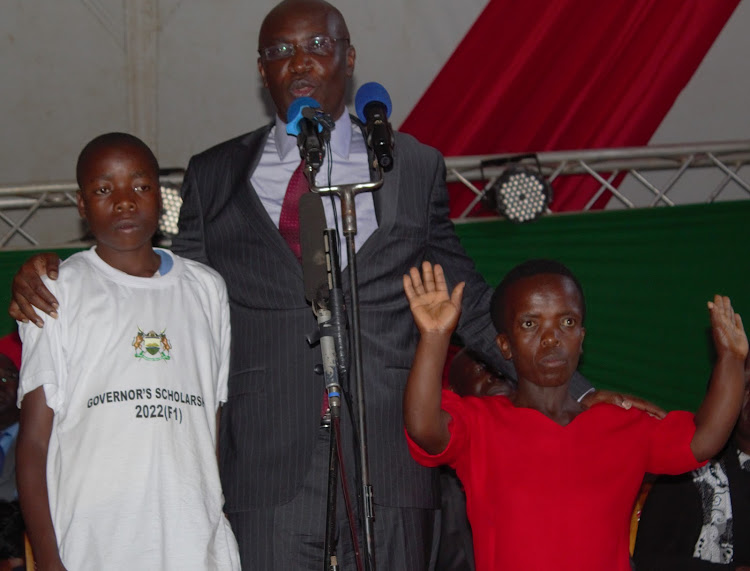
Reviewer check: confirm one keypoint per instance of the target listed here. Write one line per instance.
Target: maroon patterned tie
(289, 226)
(289, 218)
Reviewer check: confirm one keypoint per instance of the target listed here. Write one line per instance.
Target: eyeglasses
(317, 45)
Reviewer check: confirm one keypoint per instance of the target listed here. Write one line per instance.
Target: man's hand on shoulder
(29, 291)
(623, 401)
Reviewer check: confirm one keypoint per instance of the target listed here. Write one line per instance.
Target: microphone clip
(324, 120)
(312, 127)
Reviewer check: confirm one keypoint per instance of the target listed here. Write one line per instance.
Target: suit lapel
(385, 200)
(255, 214)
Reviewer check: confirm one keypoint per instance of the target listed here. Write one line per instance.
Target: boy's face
(120, 197)
(543, 330)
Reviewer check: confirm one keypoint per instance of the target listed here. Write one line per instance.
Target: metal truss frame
(670, 163)
(28, 199)
(479, 173)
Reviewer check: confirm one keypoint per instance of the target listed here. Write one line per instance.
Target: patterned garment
(715, 543)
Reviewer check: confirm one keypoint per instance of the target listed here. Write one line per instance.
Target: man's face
(543, 330)
(322, 77)
(8, 384)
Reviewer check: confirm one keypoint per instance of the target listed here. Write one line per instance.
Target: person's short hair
(112, 140)
(528, 269)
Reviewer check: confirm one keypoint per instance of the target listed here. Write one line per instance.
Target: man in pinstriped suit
(273, 450)
(270, 431)
(270, 426)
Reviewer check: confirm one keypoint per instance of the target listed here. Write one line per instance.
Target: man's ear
(583, 335)
(503, 344)
(351, 57)
(81, 204)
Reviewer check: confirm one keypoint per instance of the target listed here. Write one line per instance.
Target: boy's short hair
(112, 140)
(528, 269)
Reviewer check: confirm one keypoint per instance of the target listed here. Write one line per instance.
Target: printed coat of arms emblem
(152, 346)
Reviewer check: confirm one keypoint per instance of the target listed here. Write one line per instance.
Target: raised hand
(726, 326)
(720, 408)
(433, 309)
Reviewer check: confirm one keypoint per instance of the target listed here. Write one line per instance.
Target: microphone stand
(322, 276)
(346, 194)
(331, 316)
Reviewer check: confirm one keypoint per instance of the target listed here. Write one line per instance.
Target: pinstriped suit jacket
(270, 421)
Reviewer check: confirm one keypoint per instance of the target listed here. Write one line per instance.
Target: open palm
(433, 309)
(728, 333)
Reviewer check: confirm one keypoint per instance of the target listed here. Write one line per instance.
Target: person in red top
(550, 485)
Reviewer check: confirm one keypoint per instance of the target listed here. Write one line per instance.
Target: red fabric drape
(566, 74)
(10, 345)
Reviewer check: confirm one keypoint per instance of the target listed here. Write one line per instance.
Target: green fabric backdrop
(10, 260)
(647, 275)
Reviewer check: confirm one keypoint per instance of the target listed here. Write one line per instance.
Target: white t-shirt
(134, 370)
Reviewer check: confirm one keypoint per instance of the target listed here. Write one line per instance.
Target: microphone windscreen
(368, 93)
(294, 113)
(312, 224)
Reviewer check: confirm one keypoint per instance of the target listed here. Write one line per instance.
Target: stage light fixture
(171, 203)
(521, 194)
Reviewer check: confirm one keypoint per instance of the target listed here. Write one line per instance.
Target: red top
(544, 496)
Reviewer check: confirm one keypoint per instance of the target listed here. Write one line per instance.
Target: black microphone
(312, 225)
(312, 128)
(373, 105)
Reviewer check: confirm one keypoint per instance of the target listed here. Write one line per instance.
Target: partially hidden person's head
(305, 51)
(538, 310)
(118, 192)
(9, 412)
(469, 375)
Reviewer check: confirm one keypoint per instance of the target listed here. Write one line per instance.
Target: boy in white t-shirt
(120, 395)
